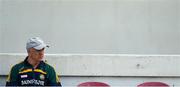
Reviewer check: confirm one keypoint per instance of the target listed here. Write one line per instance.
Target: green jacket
(23, 74)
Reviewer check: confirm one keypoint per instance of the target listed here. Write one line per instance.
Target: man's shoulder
(48, 66)
(17, 66)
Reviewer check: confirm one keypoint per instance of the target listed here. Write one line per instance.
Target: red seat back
(153, 84)
(93, 84)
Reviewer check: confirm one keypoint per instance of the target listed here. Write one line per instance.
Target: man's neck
(32, 62)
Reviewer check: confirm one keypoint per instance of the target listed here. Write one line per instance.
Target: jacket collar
(28, 64)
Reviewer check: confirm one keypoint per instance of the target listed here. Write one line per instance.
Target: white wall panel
(1, 23)
(115, 70)
(93, 26)
(104, 65)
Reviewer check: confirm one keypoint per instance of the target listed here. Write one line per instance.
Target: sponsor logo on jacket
(32, 82)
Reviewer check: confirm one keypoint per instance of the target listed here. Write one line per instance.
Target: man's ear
(29, 50)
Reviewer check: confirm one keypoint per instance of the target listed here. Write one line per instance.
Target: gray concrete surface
(92, 26)
(97, 27)
(103, 64)
(3, 80)
(116, 70)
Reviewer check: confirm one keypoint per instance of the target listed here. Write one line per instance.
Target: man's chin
(40, 59)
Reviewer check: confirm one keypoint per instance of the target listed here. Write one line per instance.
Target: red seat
(153, 84)
(93, 84)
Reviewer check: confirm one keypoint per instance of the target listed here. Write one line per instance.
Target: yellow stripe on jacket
(30, 70)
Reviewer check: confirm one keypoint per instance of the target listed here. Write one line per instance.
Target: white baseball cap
(36, 43)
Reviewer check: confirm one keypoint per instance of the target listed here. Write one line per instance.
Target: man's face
(36, 55)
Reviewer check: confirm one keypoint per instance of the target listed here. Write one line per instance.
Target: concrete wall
(104, 65)
(93, 26)
(116, 70)
(1, 25)
(96, 27)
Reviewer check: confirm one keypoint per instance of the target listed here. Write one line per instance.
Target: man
(33, 71)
